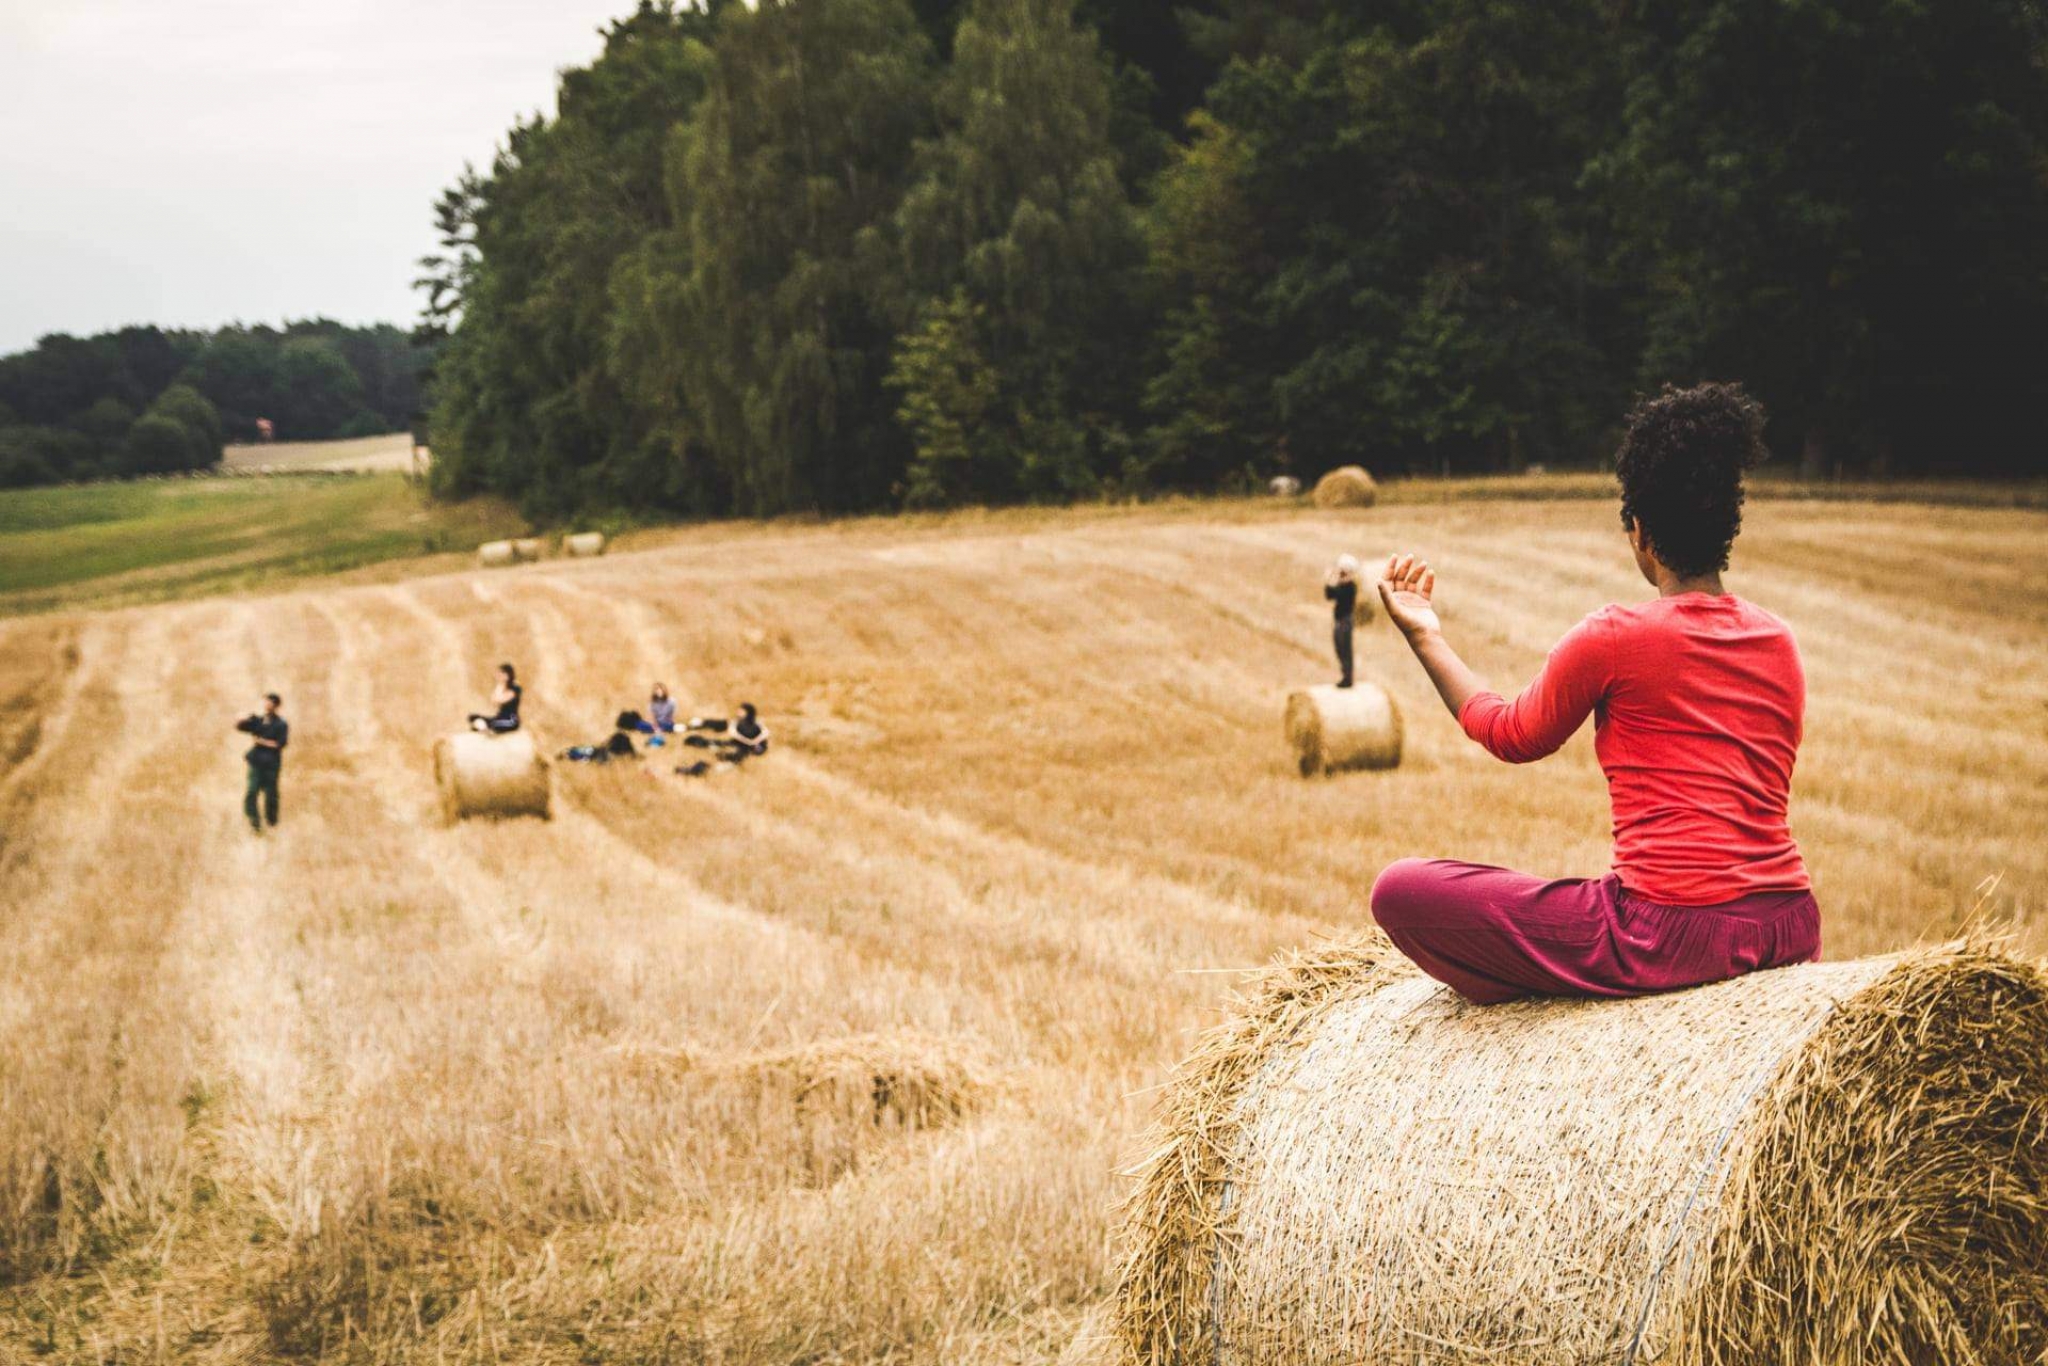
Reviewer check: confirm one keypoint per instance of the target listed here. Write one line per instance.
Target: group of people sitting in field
(729, 741)
(724, 740)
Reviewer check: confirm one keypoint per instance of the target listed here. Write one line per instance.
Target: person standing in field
(265, 760)
(1698, 701)
(1340, 586)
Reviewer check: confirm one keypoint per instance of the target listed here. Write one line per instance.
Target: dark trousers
(1340, 636)
(1494, 935)
(262, 783)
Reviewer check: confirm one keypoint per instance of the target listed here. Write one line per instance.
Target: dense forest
(856, 253)
(147, 401)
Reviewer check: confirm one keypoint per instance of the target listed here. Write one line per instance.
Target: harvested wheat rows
(834, 1058)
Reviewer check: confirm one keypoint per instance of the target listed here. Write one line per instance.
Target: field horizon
(608, 1088)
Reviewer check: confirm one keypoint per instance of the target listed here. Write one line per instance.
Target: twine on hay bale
(1836, 1162)
(1347, 486)
(496, 554)
(584, 543)
(491, 775)
(1333, 730)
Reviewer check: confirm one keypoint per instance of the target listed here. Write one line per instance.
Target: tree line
(848, 254)
(143, 400)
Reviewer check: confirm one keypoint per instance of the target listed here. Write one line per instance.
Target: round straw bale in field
(529, 548)
(584, 543)
(1284, 486)
(496, 554)
(1829, 1163)
(1347, 486)
(491, 775)
(1333, 729)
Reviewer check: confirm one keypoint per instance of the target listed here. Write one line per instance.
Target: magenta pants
(1495, 935)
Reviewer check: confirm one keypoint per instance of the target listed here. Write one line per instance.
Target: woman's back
(1698, 732)
(1698, 701)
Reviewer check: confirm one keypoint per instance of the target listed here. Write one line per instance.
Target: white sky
(195, 162)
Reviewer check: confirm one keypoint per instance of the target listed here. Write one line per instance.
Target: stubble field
(835, 1058)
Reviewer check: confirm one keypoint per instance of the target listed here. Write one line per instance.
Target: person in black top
(505, 697)
(748, 732)
(1340, 586)
(742, 738)
(265, 758)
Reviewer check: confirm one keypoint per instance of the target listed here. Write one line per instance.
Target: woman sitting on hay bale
(505, 700)
(1697, 697)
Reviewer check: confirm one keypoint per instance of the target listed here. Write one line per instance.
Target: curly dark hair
(1681, 467)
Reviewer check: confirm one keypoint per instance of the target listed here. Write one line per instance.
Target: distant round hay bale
(1347, 486)
(1284, 486)
(1838, 1162)
(491, 775)
(584, 543)
(1333, 729)
(496, 554)
(529, 548)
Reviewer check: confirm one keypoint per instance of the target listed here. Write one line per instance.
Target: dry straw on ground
(584, 544)
(1827, 1163)
(1332, 729)
(1347, 486)
(490, 775)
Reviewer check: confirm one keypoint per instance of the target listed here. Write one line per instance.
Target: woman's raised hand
(1405, 587)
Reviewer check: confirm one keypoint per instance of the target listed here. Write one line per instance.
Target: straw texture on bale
(584, 543)
(1347, 486)
(1332, 729)
(496, 554)
(529, 548)
(491, 775)
(1829, 1163)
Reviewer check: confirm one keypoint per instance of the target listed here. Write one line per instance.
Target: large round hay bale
(491, 775)
(529, 548)
(1347, 486)
(1333, 729)
(496, 554)
(1830, 1163)
(584, 543)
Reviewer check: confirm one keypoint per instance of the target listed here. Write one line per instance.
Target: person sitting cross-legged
(1697, 699)
(505, 698)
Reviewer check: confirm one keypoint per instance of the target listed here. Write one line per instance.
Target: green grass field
(105, 545)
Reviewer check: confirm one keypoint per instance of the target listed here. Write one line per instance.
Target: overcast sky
(194, 162)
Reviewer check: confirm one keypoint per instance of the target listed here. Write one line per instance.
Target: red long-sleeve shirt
(1698, 702)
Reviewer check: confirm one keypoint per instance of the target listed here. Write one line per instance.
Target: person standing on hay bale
(1340, 586)
(270, 734)
(1698, 699)
(505, 698)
